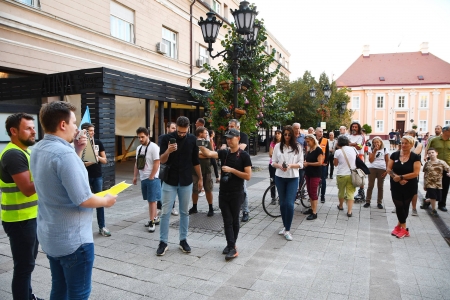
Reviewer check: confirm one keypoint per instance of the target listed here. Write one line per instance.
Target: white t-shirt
(151, 156)
(358, 139)
(379, 162)
(290, 157)
(342, 167)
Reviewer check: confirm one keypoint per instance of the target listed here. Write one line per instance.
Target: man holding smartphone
(182, 157)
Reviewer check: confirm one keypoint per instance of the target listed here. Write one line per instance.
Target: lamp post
(341, 107)
(244, 19)
(327, 95)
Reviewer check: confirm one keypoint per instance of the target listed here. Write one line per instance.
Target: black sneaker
(185, 247)
(193, 211)
(366, 205)
(162, 248)
(307, 212)
(434, 213)
(210, 213)
(425, 204)
(380, 206)
(244, 217)
(322, 198)
(232, 253)
(311, 217)
(35, 298)
(226, 250)
(443, 208)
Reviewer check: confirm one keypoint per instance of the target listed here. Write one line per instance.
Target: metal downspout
(190, 44)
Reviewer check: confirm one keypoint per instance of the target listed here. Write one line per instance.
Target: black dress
(407, 191)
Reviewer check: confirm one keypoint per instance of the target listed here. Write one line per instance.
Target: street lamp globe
(244, 17)
(210, 27)
(327, 91)
(312, 92)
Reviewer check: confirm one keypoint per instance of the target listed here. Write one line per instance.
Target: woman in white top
(343, 174)
(332, 142)
(287, 158)
(378, 159)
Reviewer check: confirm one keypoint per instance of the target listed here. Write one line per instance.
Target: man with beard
(19, 202)
(357, 141)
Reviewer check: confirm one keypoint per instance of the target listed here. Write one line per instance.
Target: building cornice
(399, 87)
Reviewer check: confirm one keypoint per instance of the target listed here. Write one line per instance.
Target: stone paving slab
(332, 257)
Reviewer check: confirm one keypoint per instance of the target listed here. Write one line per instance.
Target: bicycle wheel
(271, 206)
(302, 195)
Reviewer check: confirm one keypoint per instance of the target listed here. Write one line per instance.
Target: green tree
(264, 105)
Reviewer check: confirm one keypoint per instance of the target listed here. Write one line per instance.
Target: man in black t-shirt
(243, 145)
(236, 168)
(178, 150)
(95, 175)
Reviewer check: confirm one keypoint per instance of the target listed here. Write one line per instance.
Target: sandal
(340, 207)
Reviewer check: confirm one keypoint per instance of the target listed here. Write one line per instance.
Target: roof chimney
(366, 51)
(424, 48)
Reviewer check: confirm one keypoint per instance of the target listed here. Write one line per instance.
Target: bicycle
(272, 205)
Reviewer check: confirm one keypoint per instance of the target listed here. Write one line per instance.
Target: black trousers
(331, 164)
(214, 164)
(402, 208)
(230, 206)
(445, 185)
(272, 177)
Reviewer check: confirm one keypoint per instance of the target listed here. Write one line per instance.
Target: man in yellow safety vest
(19, 201)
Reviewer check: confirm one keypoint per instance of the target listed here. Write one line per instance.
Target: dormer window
(381, 78)
(420, 77)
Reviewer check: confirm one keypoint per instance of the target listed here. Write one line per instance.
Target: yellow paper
(114, 190)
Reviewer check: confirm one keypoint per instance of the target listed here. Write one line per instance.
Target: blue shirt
(301, 139)
(62, 184)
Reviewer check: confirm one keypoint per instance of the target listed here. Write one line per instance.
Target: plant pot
(239, 112)
(226, 84)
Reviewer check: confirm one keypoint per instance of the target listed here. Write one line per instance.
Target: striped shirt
(62, 184)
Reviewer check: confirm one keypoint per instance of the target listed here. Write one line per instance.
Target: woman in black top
(313, 172)
(403, 168)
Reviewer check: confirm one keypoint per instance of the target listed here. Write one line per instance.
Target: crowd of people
(48, 194)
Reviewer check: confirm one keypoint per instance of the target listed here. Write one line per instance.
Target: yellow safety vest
(15, 205)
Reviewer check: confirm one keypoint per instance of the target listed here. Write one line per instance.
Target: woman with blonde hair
(378, 159)
(313, 172)
(403, 168)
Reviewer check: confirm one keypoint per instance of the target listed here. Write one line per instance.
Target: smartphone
(202, 143)
(172, 141)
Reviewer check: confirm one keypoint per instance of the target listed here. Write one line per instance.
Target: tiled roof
(397, 69)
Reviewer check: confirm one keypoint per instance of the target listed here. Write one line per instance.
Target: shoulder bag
(164, 169)
(356, 174)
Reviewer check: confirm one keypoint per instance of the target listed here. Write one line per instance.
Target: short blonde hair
(312, 137)
(377, 138)
(408, 138)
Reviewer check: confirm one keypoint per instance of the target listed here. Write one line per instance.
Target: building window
(380, 101)
(423, 124)
(355, 102)
(203, 54)
(401, 102)
(169, 38)
(33, 3)
(286, 65)
(379, 126)
(122, 22)
(447, 101)
(216, 6)
(446, 122)
(225, 11)
(423, 103)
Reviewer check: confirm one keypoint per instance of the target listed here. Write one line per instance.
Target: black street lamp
(327, 95)
(341, 107)
(244, 19)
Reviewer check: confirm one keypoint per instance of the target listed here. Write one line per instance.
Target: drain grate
(201, 223)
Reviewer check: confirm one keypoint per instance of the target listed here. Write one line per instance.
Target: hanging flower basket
(226, 84)
(240, 112)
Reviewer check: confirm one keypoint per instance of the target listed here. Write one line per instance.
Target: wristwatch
(401, 177)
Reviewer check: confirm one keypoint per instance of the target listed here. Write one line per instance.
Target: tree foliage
(263, 103)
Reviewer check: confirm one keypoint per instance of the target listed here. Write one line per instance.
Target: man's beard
(28, 142)
(353, 132)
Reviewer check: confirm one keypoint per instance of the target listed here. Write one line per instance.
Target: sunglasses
(287, 134)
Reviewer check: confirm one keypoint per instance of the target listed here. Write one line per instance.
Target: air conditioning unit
(161, 48)
(202, 61)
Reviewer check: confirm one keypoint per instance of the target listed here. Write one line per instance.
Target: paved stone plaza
(332, 257)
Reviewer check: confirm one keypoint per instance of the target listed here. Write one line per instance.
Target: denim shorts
(151, 189)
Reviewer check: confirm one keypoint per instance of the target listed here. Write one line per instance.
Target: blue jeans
(169, 192)
(97, 186)
(244, 205)
(287, 189)
(24, 248)
(324, 180)
(71, 274)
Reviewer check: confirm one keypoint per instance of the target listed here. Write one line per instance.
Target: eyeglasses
(181, 133)
(287, 134)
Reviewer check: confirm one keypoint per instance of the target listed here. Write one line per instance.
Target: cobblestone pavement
(332, 257)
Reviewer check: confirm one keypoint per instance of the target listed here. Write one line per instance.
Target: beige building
(399, 90)
(130, 61)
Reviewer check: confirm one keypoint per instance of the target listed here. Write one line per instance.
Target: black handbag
(164, 172)
(361, 165)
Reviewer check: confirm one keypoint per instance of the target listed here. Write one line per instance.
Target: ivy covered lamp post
(323, 110)
(244, 19)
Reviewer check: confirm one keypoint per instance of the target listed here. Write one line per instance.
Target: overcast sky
(328, 35)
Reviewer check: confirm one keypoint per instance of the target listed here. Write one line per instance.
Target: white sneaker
(156, 220)
(201, 194)
(152, 227)
(297, 201)
(288, 236)
(104, 231)
(414, 212)
(282, 231)
(174, 211)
